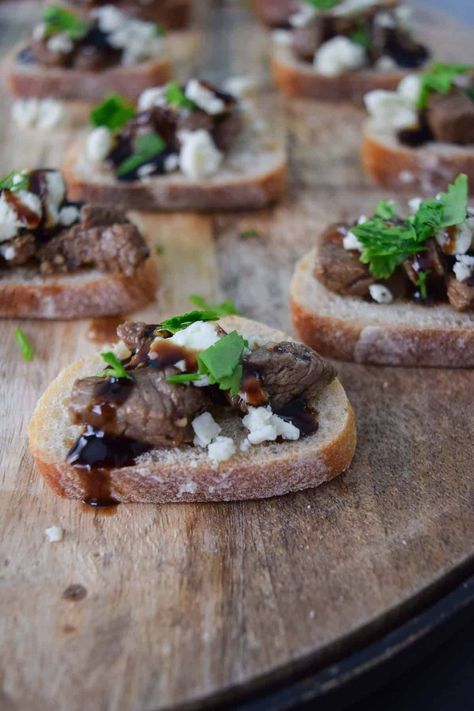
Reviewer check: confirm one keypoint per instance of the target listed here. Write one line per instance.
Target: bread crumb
(54, 534)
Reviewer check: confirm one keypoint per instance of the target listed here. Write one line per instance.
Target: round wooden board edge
(379, 652)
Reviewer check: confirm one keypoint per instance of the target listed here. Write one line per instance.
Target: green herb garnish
(57, 19)
(175, 96)
(115, 367)
(27, 350)
(159, 31)
(386, 209)
(386, 244)
(178, 323)
(323, 4)
(14, 181)
(421, 283)
(145, 146)
(113, 112)
(183, 378)
(361, 35)
(227, 308)
(248, 234)
(439, 78)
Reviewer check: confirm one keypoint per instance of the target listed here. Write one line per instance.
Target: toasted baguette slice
(85, 294)
(172, 474)
(297, 78)
(428, 168)
(170, 14)
(73, 84)
(253, 175)
(400, 333)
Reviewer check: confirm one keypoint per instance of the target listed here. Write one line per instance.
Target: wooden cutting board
(164, 606)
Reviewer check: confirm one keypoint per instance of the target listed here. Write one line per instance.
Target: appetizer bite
(391, 289)
(339, 49)
(170, 14)
(198, 408)
(72, 57)
(422, 135)
(62, 259)
(191, 147)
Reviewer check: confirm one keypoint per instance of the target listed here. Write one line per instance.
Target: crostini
(170, 14)
(342, 49)
(422, 135)
(61, 259)
(74, 58)
(198, 408)
(190, 147)
(393, 290)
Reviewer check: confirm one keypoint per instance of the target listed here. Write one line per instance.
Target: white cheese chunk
(199, 158)
(39, 113)
(381, 294)
(458, 240)
(171, 162)
(282, 37)
(10, 222)
(339, 55)
(390, 110)
(222, 449)
(264, 426)
(69, 215)
(303, 17)
(196, 337)
(385, 64)
(205, 429)
(350, 241)
(464, 267)
(54, 534)
(7, 251)
(54, 196)
(99, 144)
(385, 19)
(414, 204)
(61, 43)
(155, 96)
(410, 88)
(203, 97)
(138, 40)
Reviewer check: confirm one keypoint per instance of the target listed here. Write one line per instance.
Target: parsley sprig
(227, 308)
(57, 19)
(208, 312)
(440, 79)
(145, 147)
(388, 242)
(15, 181)
(323, 4)
(175, 96)
(113, 112)
(115, 368)
(221, 363)
(27, 350)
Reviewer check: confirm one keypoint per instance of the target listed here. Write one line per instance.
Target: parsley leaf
(26, 347)
(115, 367)
(222, 362)
(439, 78)
(15, 181)
(57, 19)
(183, 378)
(361, 35)
(421, 283)
(323, 4)
(227, 308)
(175, 96)
(113, 112)
(146, 146)
(386, 209)
(177, 323)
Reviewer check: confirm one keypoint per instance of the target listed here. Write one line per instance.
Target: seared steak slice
(147, 409)
(288, 371)
(93, 215)
(18, 250)
(451, 117)
(339, 269)
(134, 334)
(429, 261)
(118, 248)
(460, 294)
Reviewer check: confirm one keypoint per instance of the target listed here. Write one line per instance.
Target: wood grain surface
(158, 607)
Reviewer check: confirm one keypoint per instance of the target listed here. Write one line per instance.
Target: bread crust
(171, 14)
(74, 84)
(375, 341)
(295, 78)
(187, 475)
(76, 296)
(428, 168)
(242, 191)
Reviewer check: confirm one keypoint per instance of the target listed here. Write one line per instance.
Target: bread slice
(170, 14)
(25, 79)
(428, 168)
(88, 293)
(296, 78)
(170, 474)
(253, 175)
(400, 333)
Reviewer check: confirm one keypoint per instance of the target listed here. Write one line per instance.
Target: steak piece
(339, 269)
(147, 409)
(451, 117)
(460, 294)
(433, 264)
(18, 250)
(287, 371)
(135, 334)
(94, 215)
(118, 248)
